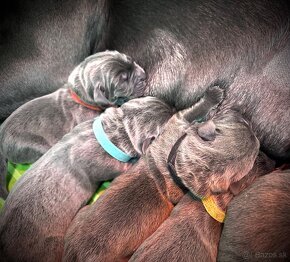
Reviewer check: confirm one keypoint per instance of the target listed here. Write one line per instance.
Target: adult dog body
(184, 46)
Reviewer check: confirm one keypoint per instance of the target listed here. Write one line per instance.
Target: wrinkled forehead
(146, 105)
(110, 55)
(104, 68)
(119, 58)
(230, 119)
(227, 146)
(118, 62)
(222, 131)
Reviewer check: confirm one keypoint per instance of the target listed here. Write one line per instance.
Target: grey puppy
(42, 204)
(190, 234)
(137, 202)
(105, 79)
(101, 80)
(257, 227)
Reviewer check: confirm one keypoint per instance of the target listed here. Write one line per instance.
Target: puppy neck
(107, 145)
(78, 100)
(113, 126)
(160, 174)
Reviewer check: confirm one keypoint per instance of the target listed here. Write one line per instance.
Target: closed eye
(124, 76)
(102, 89)
(207, 131)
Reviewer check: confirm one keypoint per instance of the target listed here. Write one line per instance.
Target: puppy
(42, 204)
(138, 202)
(190, 233)
(102, 80)
(257, 226)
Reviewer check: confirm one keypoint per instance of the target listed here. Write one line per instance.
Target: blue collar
(106, 144)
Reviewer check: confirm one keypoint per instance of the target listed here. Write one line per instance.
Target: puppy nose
(207, 131)
(121, 100)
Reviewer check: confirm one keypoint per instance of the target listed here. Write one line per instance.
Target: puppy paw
(215, 94)
(199, 112)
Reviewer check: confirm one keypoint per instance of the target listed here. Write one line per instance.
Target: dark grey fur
(189, 234)
(43, 202)
(104, 79)
(141, 199)
(41, 43)
(257, 227)
(184, 47)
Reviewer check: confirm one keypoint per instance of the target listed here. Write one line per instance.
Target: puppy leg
(213, 96)
(124, 216)
(37, 212)
(189, 234)
(44, 201)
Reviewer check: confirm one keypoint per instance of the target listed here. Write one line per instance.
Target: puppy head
(216, 154)
(134, 125)
(144, 119)
(108, 78)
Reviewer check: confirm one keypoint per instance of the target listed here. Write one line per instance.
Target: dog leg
(46, 198)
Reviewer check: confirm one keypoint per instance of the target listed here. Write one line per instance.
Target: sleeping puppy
(257, 227)
(138, 202)
(190, 233)
(100, 81)
(44, 201)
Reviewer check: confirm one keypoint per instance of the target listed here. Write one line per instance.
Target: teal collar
(106, 144)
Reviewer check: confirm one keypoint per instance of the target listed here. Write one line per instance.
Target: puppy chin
(199, 191)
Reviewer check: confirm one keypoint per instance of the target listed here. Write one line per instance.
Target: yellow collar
(212, 209)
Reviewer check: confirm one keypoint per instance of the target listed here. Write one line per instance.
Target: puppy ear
(207, 131)
(219, 184)
(233, 179)
(209, 102)
(262, 166)
(149, 139)
(99, 95)
(146, 144)
(240, 185)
